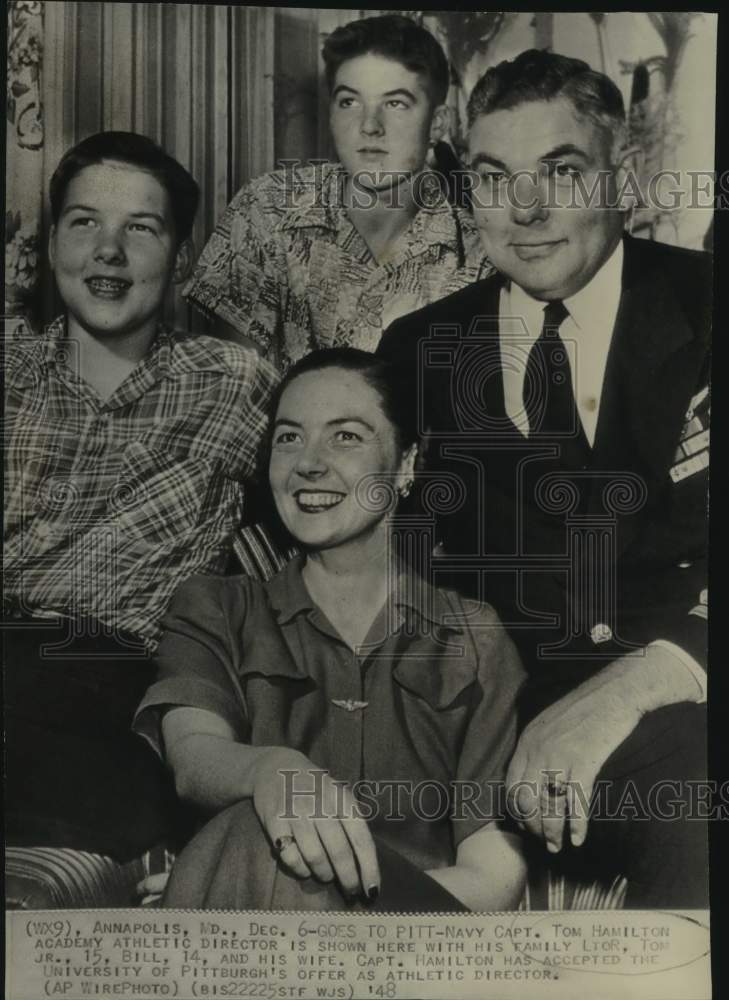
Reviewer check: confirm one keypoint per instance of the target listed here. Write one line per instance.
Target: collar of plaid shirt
(55, 351)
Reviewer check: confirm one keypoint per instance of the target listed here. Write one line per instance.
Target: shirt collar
(601, 294)
(321, 206)
(155, 363)
(411, 594)
(287, 592)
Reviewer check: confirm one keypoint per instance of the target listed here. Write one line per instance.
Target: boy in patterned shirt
(127, 446)
(330, 254)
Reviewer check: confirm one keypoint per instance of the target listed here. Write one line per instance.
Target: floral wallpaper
(25, 158)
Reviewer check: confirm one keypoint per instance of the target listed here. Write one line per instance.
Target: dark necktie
(549, 400)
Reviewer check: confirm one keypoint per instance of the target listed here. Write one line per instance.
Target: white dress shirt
(586, 334)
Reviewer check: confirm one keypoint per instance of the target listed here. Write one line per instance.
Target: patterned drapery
(231, 90)
(24, 152)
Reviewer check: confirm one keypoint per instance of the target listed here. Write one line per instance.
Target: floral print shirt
(286, 267)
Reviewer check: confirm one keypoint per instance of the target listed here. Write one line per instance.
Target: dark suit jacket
(585, 563)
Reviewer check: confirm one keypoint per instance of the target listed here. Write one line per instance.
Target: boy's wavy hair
(394, 37)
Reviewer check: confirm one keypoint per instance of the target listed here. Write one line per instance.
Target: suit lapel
(481, 384)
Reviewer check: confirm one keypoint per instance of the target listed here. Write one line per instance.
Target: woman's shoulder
(204, 596)
(479, 622)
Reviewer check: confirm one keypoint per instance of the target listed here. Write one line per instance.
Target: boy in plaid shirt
(127, 446)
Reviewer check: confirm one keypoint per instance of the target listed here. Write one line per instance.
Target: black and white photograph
(357, 391)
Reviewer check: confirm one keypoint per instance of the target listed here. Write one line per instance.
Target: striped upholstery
(561, 893)
(257, 553)
(50, 878)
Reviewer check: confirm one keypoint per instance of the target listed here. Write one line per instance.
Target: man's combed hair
(544, 76)
(138, 151)
(394, 37)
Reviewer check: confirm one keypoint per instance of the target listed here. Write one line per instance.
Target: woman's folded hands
(314, 824)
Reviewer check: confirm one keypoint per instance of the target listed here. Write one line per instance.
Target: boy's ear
(183, 261)
(439, 123)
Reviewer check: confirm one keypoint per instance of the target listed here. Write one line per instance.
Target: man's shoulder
(457, 309)
(690, 269)
(685, 274)
(199, 353)
(674, 259)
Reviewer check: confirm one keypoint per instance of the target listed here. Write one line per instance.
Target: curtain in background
(231, 90)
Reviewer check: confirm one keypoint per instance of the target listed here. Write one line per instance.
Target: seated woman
(348, 723)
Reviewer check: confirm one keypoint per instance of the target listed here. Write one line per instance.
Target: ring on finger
(555, 788)
(280, 844)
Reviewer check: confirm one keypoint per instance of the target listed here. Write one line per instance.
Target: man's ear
(439, 123)
(52, 248)
(628, 169)
(183, 261)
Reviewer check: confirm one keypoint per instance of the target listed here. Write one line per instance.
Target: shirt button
(601, 633)
(591, 404)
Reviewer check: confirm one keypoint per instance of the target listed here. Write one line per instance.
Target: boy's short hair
(138, 151)
(394, 37)
(537, 75)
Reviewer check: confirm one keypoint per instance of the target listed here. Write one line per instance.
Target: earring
(404, 490)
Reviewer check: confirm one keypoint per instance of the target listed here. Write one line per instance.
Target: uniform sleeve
(195, 662)
(490, 737)
(683, 617)
(240, 272)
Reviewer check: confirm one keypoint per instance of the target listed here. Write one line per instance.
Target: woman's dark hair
(139, 151)
(397, 393)
(394, 37)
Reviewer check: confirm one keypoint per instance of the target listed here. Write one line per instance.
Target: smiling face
(382, 119)
(330, 432)
(113, 251)
(534, 163)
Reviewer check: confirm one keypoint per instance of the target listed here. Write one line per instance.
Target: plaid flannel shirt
(109, 505)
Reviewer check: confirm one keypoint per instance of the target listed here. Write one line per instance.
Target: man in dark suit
(567, 404)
